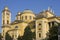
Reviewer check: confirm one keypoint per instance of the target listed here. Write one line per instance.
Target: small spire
(53, 12)
(49, 8)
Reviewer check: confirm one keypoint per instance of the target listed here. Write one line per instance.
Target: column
(51, 24)
(36, 29)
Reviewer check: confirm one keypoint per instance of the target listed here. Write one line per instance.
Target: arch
(39, 34)
(3, 21)
(7, 21)
(25, 17)
(30, 17)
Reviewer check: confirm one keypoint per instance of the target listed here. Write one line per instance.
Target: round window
(16, 26)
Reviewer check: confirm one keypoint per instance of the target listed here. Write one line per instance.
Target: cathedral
(39, 23)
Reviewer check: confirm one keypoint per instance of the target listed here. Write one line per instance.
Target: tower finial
(6, 8)
(49, 9)
(53, 12)
(19, 12)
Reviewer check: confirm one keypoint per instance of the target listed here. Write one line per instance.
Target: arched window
(3, 32)
(39, 28)
(7, 13)
(3, 21)
(22, 17)
(30, 17)
(7, 22)
(25, 17)
(13, 36)
(16, 26)
(39, 24)
(39, 34)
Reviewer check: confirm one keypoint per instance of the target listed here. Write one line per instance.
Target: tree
(53, 33)
(8, 37)
(28, 34)
(59, 29)
(34, 35)
(0, 36)
(19, 38)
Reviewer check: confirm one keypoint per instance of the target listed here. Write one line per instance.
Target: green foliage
(34, 35)
(53, 33)
(28, 34)
(59, 29)
(8, 37)
(19, 38)
(0, 36)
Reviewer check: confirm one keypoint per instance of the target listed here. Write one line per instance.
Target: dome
(6, 8)
(27, 10)
(19, 13)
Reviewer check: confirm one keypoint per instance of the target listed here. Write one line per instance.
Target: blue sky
(34, 5)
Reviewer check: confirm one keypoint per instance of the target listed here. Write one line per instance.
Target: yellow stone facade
(42, 22)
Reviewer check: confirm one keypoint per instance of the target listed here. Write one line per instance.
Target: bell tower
(42, 28)
(6, 16)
